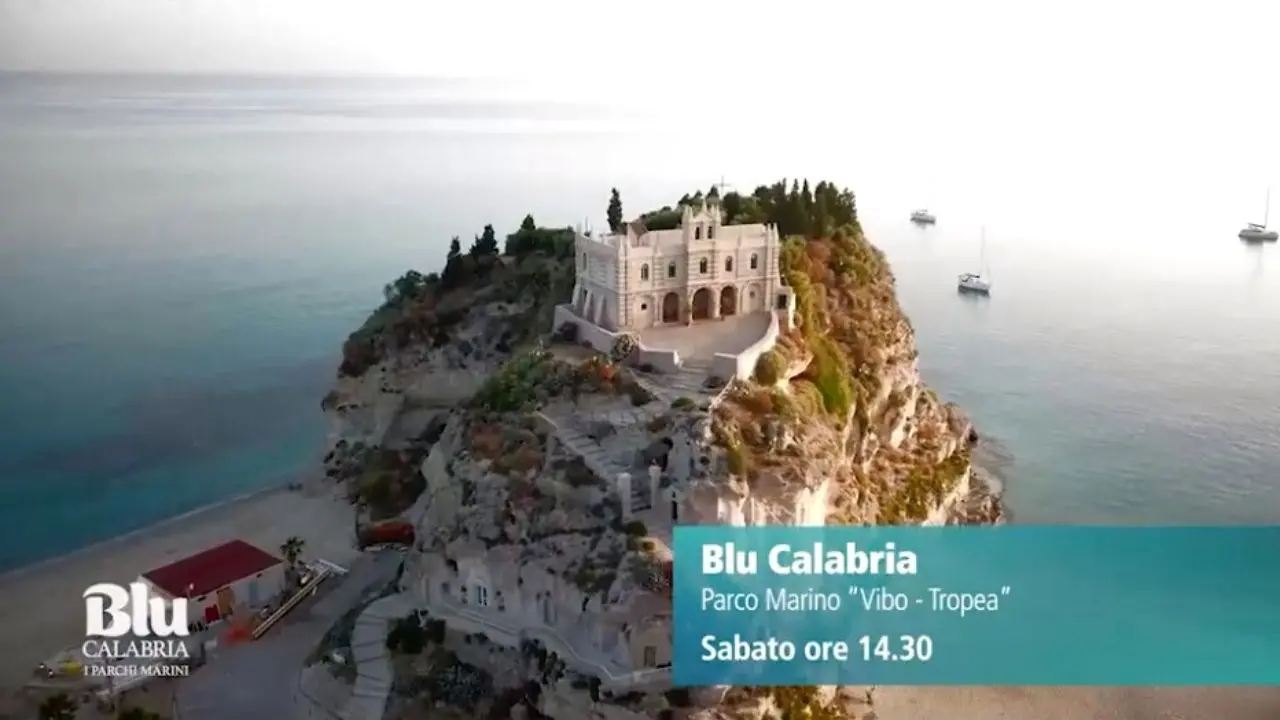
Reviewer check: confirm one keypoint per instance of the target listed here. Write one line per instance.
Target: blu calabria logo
(131, 624)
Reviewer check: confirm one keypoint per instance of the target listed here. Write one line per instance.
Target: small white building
(219, 581)
(640, 278)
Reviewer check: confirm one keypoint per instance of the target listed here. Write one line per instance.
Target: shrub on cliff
(623, 347)
(407, 636)
(803, 703)
(769, 367)
(829, 371)
(923, 490)
(388, 483)
(516, 387)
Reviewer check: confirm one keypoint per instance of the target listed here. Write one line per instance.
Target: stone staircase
(596, 458)
(640, 493)
(322, 692)
(373, 663)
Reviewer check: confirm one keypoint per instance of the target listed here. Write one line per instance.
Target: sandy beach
(41, 606)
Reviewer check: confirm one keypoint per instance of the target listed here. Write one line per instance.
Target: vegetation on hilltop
(849, 331)
(796, 209)
(535, 269)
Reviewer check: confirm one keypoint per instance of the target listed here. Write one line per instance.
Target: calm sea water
(180, 259)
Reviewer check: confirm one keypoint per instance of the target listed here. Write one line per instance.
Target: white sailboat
(923, 217)
(979, 282)
(1253, 232)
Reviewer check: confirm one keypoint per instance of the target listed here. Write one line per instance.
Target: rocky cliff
(455, 405)
(841, 397)
(423, 353)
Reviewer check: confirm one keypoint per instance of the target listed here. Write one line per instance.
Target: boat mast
(985, 269)
(1266, 210)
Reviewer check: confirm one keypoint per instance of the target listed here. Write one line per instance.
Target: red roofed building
(219, 580)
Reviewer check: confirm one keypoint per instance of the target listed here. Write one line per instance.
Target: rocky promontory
(459, 406)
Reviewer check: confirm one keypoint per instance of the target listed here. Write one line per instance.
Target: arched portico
(671, 308)
(702, 304)
(728, 301)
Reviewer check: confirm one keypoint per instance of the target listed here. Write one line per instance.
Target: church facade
(639, 278)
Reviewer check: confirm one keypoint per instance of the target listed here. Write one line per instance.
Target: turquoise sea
(180, 259)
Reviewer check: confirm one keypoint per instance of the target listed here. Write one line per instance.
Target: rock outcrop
(555, 472)
(848, 402)
(428, 349)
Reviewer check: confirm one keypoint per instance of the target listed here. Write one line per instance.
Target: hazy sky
(1044, 76)
(1127, 45)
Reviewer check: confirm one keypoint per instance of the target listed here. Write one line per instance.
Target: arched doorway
(728, 301)
(671, 308)
(702, 304)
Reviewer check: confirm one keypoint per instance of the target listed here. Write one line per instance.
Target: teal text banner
(1010, 605)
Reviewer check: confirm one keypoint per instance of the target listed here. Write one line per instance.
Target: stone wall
(723, 365)
(743, 365)
(602, 340)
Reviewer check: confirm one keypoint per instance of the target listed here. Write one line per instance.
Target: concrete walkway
(373, 661)
(704, 338)
(261, 679)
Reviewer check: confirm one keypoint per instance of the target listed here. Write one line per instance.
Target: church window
(755, 261)
(671, 270)
(728, 264)
(644, 271)
(702, 266)
(697, 232)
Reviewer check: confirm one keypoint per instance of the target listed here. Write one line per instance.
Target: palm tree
(58, 707)
(291, 549)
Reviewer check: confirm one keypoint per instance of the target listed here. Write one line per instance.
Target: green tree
(456, 271)
(486, 243)
(732, 203)
(553, 242)
(528, 225)
(58, 707)
(410, 285)
(615, 211)
(665, 219)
